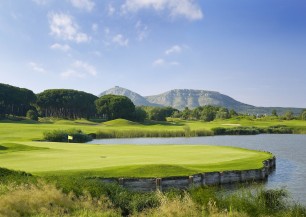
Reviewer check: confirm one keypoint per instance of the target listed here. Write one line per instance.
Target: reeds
(133, 133)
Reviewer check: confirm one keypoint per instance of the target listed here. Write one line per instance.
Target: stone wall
(202, 179)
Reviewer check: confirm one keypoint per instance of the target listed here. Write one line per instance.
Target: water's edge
(196, 180)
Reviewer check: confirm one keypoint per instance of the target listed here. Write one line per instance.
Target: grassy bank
(77, 196)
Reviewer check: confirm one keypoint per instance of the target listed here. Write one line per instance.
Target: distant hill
(181, 98)
(137, 99)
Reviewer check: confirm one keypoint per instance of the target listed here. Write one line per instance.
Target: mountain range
(182, 98)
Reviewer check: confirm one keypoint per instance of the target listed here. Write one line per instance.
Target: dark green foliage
(274, 113)
(11, 176)
(303, 114)
(219, 130)
(62, 136)
(222, 113)
(279, 129)
(7, 172)
(288, 115)
(233, 113)
(160, 113)
(32, 115)
(139, 114)
(62, 103)
(112, 107)
(14, 100)
(237, 131)
(205, 113)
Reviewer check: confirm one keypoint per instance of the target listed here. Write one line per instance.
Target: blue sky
(253, 51)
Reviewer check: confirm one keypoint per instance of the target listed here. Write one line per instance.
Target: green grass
(127, 160)
(19, 151)
(13, 131)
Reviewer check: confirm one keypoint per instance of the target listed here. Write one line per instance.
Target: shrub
(32, 115)
(62, 136)
(237, 131)
(279, 129)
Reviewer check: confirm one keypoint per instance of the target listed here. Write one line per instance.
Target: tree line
(66, 103)
(74, 104)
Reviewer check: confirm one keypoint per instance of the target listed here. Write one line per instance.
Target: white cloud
(142, 30)
(120, 40)
(183, 8)
(64, 27)
(111, 10)
(174, 49)
(83, 4)
(174, 63)
(95, 27)
(89, 69)
(61, 47)
(162, 62)
(72, 73)
(37, 67)
(79, 69)
(159, 62)
(106, 30)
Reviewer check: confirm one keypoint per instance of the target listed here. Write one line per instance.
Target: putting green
(46, 158)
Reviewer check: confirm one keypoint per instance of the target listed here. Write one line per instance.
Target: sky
(251, 50)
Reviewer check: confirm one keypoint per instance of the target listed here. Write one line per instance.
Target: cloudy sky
(251, 50)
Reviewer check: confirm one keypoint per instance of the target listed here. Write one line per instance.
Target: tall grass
(62, 136)
(71, 196)
(46, 200)
(138, 133)
(278, 129)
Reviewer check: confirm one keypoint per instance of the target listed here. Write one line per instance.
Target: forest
(74, 104)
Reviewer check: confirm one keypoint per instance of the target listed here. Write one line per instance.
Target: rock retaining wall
(202, 179)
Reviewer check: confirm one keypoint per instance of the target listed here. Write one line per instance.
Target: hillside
(181, 98)
(194, 98)
(137, 99)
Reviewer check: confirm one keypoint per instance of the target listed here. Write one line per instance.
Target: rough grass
(47, 200)
(87, 198)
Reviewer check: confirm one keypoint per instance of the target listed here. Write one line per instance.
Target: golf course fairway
(48, 159)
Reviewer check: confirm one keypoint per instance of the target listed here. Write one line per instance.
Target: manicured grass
(127, 160)
(19, 151)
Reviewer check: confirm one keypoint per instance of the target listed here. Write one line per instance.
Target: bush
(237, 131)
(279, 129)
(32, 115)
(62, 136)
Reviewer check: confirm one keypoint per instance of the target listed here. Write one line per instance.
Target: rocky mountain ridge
(182, 98)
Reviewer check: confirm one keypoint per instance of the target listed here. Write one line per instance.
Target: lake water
(290, 152)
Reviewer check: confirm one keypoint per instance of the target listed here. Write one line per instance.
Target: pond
(290, 152)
